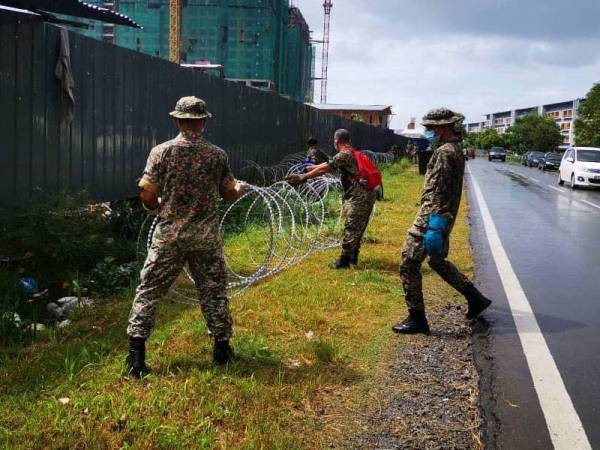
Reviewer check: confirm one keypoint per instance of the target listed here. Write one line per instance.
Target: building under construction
(261, 43)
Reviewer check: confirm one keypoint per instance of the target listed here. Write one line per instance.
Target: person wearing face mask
(429, 235)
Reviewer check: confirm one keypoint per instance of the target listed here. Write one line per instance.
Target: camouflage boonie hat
(441, 116)
(190, 108)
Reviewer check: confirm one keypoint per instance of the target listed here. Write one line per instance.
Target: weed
(308, 340)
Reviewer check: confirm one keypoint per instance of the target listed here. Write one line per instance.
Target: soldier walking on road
(190, 175)
(430, 233)
(358, 200)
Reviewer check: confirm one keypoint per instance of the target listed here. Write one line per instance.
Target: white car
(580, 166)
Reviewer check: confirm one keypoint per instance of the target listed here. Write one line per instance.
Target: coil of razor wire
(379, 158)
(273, 225)
(267, 230)
(266, 175)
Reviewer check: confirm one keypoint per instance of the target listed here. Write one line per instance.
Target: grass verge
(309, 343)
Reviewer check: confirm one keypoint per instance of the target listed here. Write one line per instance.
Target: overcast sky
(475, 56)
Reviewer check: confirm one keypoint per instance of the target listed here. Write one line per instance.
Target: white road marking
(534, 179)
(590, 203)
(564, 425)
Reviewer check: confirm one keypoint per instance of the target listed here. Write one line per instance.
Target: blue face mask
(430, 136)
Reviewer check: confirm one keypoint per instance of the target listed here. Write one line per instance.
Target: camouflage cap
(441, 116)
(190, 108)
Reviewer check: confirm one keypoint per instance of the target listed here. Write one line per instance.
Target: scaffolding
(255, 40)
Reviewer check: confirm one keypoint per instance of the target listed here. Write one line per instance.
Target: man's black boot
(476, 300)
(416, 322)
(222, 352)
(135, 364)
(354, 257)
(342, 263)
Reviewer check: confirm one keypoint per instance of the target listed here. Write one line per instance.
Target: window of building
(566, 125)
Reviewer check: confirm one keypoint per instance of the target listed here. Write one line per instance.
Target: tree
(587, 125)
(485, 139)
(533, 132)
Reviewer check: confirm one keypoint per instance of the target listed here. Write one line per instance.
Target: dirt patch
(427, 398)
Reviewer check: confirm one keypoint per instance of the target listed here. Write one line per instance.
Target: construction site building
(261, 43)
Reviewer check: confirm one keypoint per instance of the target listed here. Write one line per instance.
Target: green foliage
(57, 243)
(485, 139)
(10, 294)
(69, 249)
(587, 125)
(268, 398)
(107, 277)
(533, 132)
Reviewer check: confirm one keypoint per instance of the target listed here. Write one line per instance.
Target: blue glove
(434, 237)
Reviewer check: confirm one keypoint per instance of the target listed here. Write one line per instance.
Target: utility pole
(327, 5)
(174, 30)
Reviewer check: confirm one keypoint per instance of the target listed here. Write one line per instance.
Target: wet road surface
(551, 236)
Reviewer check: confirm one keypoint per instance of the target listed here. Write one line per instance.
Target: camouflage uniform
(190, 173)
(441, 195)
(357, 203)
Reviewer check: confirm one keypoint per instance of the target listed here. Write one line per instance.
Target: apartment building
(563, 113)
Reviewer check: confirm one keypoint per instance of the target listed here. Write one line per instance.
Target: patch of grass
(310, 343)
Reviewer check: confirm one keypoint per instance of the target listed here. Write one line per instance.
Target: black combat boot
(342, 263)
(476, 300)
(135, 364)
(416, 322)
(222, 352)
(354, 257)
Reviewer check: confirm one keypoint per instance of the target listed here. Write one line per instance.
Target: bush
(60, 243)
(9, 306)
(69, 248)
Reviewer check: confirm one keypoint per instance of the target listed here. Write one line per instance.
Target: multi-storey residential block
(563, 113)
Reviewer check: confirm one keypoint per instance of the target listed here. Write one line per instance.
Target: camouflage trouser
(413, 256)
(357, 213)
(163, 265)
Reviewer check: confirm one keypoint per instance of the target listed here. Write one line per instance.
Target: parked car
(580, 166)
(532, 158)
(497, 153)
(550, 161)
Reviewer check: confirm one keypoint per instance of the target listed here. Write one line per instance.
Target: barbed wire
(267, 230)
(273, 225)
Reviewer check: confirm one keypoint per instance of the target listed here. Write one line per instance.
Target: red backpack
(369, 175)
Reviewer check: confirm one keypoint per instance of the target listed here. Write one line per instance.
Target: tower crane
(174, 30)
(327, 5)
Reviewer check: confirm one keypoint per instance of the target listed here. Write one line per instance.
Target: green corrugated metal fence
(122, 100)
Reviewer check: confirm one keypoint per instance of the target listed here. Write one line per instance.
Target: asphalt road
(551, 236)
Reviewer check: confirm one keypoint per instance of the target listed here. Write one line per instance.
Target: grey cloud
(472, 55)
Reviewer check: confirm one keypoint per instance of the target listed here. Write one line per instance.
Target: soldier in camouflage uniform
(190, 175)
(430, 233)
(357, 202)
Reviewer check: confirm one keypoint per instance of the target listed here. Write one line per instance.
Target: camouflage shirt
(345, 164)
(443, 186)
(188, 174)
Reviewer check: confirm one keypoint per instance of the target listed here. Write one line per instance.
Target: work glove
(435, 236)
(241, 187)
(294, 179)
